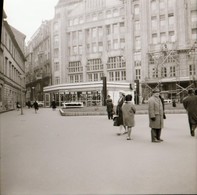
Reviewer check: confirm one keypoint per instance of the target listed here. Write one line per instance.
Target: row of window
(96, 16)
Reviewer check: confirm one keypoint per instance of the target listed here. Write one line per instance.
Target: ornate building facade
(148, 43)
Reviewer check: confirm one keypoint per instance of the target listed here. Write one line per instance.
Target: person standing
(128, 111)
(35, 105)
(53, 104)
(155, 110)
(190, 104)
(119, 112)
(17, 105)
(110, 107)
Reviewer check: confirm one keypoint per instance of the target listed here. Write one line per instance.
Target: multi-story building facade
(38, 63)
(152, 43)
(12, 67)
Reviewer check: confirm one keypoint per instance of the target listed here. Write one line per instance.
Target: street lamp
(33, 92)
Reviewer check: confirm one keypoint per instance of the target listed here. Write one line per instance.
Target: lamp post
(33, 92)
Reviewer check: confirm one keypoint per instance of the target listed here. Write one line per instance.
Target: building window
(155, 73)
(138, 74)
(75, 52)
(80, 36)
(100, 46)
(192, 70)
(108, 14)
(115, 29)
(123, 75)
(171, 36)
(163, 72)
(163, 37)
(94, 32)
(137, 26)
(115, 42)
(171, 20)
(111, 76)
(56, 53)
(108, 45)
(100, 31)
(161, 4)
(194, 34)
(88, 48)
(172, 71)
(116, 62)
(162, 22)
(122, 27)
(55, 27)
(56, 41)
(122, 43)
(115, 12)
(94, 48)
(136, 9)
(94, 17)
(75, 67)
(137, 43)
(57, 67)
(80, 49)
(154, 22)
(153, 5)
(57, 80)
(154, 38)
(94, 65)
(108, 30)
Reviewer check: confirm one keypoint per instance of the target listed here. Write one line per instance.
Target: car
(72, 104)
(167, 101)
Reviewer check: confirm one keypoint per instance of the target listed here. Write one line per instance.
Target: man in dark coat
(155, 110)
(190, 104)
(110, 107)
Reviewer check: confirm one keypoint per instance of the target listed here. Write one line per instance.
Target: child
(128, 110)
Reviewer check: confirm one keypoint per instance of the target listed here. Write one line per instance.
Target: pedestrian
(53, 104)
(128, 111)
(17, 105)
(119, 112)
(35, 105)
(155, 110)
(190, 104)
(110, 107)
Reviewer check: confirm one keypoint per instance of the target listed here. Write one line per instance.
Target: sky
(27, 15)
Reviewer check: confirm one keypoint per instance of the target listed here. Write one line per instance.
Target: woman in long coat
(119, 112)
(155, 110)
(128, 110)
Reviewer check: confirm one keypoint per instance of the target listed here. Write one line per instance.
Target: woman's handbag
(116, 120)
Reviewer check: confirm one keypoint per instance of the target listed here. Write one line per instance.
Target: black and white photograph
(98, 97)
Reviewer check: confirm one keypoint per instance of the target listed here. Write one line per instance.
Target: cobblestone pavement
(50, 154)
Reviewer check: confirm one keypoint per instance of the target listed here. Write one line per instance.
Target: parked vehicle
(72, 104)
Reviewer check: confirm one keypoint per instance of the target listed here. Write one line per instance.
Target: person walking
(35, 105)
(128, 111)
(17, 105)
(155, 111)
(119, 112)
(190, 105)
(53, 104)
(110, 107)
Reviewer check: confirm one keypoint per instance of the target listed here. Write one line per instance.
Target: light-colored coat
(155, 109)
(128, 111)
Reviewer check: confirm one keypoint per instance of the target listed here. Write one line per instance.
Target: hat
(156, 90)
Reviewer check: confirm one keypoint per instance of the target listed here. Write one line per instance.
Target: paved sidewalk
(47, 154)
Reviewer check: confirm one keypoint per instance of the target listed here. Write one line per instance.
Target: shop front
(90, 93)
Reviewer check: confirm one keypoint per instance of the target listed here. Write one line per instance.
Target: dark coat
(119, 110)
(35, 104)
(53, 104)
(190, 104)
(155, 110)
(110, 106)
